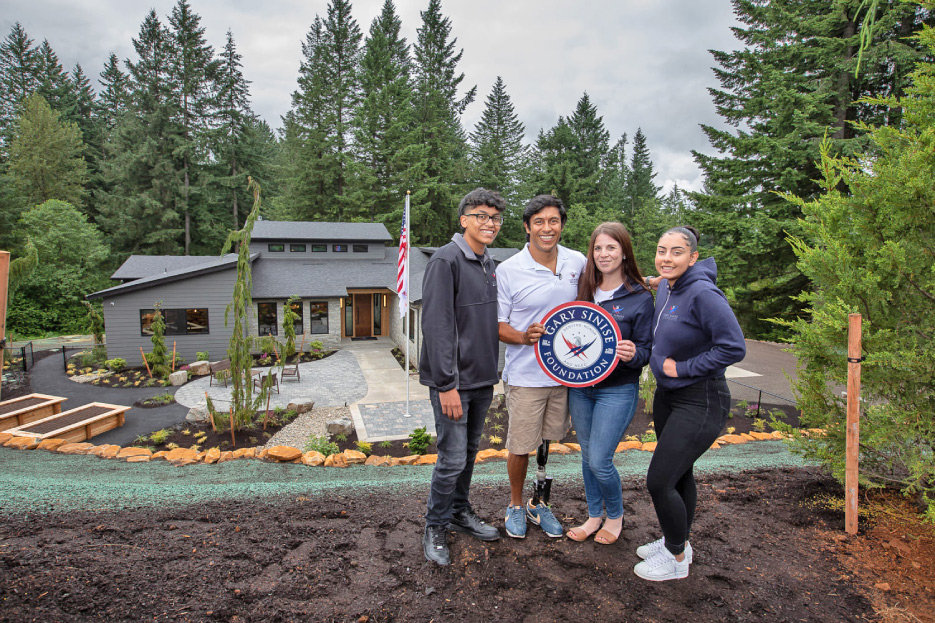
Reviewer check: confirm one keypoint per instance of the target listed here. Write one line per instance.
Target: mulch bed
(764, 551)
(187, 435)
(497, 425)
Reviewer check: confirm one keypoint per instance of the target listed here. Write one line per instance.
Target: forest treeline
(152, 156)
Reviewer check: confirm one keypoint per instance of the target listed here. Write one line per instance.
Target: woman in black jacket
(601, 413)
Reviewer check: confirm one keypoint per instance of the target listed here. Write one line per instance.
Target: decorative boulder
(341, 426)
(200, 368)
(178, 378)
(300, 407)
(197, 414)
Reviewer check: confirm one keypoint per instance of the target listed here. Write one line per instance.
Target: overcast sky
(644, 63)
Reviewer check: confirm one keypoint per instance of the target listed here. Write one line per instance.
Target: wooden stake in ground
(173, 355)
(301, 348)
(146, 363)
(233, 439)
(4, 280)
(853, 423)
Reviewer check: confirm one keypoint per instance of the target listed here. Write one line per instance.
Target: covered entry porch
(365, 313)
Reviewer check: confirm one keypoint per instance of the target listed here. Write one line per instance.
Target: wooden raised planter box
(75, 425)
(26, 409)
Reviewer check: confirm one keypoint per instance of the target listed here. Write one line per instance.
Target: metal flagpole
(407, 413)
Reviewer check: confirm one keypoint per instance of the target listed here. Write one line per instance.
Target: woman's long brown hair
(591, 277)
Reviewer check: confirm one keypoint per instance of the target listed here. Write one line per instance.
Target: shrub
(365, 447)
(648, 437)
(159, 437)
(340, 437)
(202, 355)
(386, 443)
(419, 441)
(647, 389)
(116, 364)
(321, 443)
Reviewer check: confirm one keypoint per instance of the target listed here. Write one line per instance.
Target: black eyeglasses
(483, 218)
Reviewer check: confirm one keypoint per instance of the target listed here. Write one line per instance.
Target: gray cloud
(644, 63)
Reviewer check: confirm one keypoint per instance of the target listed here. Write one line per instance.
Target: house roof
(331, 232)
(139, 266)
(209, 265)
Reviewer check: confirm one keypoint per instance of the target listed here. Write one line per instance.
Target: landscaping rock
(409, 460)
(178, 378)
(629, 445)
(354, 457)
(227, 455)
(182, 454)
(340, 426)
(23, 443)
(559, 448)
(196, 415)
(649, 446)
(128, 453)
(335, 460)
(313, 458)
(139, 459)
(200, 368)
(301, 407)
(75, 448)
(284, 454)
(5, 437)
(51, 444)
(213, 456)
(427, 459)
(377, 461)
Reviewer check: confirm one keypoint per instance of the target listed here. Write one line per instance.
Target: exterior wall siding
(330, 340)
(375, 250)
(122, 317)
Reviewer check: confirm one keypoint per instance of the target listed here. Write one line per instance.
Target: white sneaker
(651, 549)
(661, 567)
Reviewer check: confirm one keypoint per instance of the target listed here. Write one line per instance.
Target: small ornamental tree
(288, 327)
(241, 344)
(868, 249)
(96, 326)
(158, 358)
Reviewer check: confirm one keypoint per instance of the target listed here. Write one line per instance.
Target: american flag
(402, 271)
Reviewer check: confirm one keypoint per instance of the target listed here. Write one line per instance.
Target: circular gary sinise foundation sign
(579, 346)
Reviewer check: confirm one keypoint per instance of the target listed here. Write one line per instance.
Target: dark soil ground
(187, 435)
(768, 547)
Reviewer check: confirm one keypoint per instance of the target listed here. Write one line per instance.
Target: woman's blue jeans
(600, 418)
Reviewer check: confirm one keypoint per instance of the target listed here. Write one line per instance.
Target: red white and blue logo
(579, 346)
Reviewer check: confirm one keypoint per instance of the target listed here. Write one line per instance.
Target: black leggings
(687, 421)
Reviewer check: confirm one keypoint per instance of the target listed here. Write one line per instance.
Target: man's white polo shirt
(526, 292)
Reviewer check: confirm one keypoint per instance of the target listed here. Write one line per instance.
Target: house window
(297, 248)
(318, 316)
(297, 323)
(178, 321)
(319, 248)
(339, 248)
(413, 319)
(276, 248)
(349, 316)
(266, 319)
(360, 248)
(377, 314)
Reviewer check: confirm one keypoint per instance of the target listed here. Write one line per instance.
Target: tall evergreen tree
(139, 209)
(19, 78)
(591, 148)
(384, 132)
(46, 159)
(641, 185)
(497, 149)
(54, 83)
(790, 84)
(112, 100)
(193, 70)
(441, 169)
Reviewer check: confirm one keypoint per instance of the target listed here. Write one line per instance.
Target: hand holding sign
(578, 345)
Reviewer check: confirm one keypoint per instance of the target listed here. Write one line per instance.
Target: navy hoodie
(633, 313)
(696, 327)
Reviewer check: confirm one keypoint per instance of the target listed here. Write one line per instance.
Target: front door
(363, 315)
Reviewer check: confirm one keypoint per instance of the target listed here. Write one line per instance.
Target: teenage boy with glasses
(459, 365)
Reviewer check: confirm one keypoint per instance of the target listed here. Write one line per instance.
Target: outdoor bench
(224, 366)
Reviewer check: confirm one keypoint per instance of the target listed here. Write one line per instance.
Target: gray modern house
(344, 274)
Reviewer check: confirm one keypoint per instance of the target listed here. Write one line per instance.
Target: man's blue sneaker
(515, 522)
(542, 516)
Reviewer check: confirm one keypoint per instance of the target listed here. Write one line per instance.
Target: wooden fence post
(4, 280)
(853, 423)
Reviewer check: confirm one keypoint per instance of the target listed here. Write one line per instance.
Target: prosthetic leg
(543, 485)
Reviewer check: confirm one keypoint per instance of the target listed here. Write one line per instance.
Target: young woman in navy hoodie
(602, 412)
(695, 337)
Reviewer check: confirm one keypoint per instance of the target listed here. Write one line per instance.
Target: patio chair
(291, 371)
(220, 372)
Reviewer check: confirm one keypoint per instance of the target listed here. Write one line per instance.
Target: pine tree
(497, 149)
(790, 84)
(591, 148)
(18, 79)
(441, 171)
(192, 69)
(113, 98)
(54, 84)
(138, 210)
(641, 185)
(557, 154)
(46, 159)
(384, 131)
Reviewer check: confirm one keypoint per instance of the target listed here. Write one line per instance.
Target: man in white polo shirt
(529, 284)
